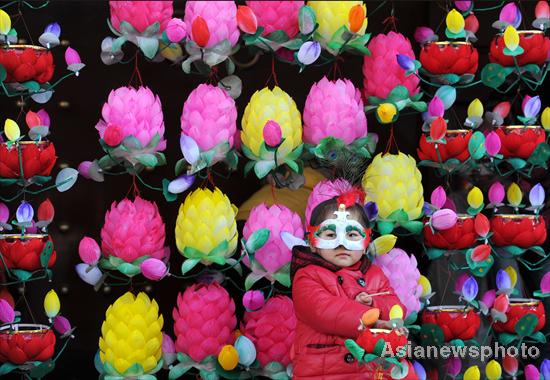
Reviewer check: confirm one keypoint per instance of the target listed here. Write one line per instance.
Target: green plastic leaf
(538, 337)
(257, 240)
(306, 20)
(170, 197)
(31, 85)
(435, 253)
(188, 265)
(357, 351)
(251, 279)
(411, 318)
(385, 227)
(379, 347)
(178, 371)
(21, 274)
(413, 226)
(149, 46)
(505, 339)
(3, 73)
(476, 145)
(262, 168)
(515, 250)
(128, 269)
(526, 325)
(493, 75)
(42, 369)
(65, 179)
(192, 253)
(431, 335)
(517, 163)
(398, 93)
(46, 254)
(449, 78)
(283, 275)
(7, 181)
(419, 106)
(7, 368)
(540, 155)
(149, 160)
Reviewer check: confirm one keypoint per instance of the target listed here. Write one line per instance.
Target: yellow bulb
(51, 304)
(455, 21)
(171, 52)
(11, 130)
(475, 198)
(384, 244)
(512, 274)
(475, 108)
(386, 112)
(228, 357)
(514, 195)
(426, 285)
(493, 370)
(511, 38)
(545, 118)
(472, 373)
(396, 312)
(5, 22)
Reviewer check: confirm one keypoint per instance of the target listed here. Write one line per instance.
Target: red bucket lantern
(393, 339)
(23, 251)
(37, 158)
(535, 49)
(26, 62)
(457, 322)
(518, 308)
(22, 343)
(462, 235)
(520, 140)
(520, 230)
(449, 57)
(456, 147)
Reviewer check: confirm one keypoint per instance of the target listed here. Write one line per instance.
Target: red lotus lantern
(38, 158)
(393, 339)
(535, 47)
(456, 147)
(462, 235)
(520, 230)
(517, 309)
(456, 322)
(25, 62)
(519, 140)
(22, 343)
(23, 251)
(457, 57)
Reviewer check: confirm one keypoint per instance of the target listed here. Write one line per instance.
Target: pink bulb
(502, 108)
(272, 133)
(531, 372)
(545, 283)
(89, 250)
(153, 269)
(44, 117)
(438, 197)
(460, 282)
(72, 57)
(496, 193)
(471, 23)
(168, 346)
(510, 365)
(436, 108)
(492, 144)
(61, 324)
(488, 298)
(524, 101)
(7, 314)
(542, 10)
(253, 300)
(443, 219)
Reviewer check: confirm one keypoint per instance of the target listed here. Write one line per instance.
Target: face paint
(340, 231)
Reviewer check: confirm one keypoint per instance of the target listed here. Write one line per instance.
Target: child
(332, 283)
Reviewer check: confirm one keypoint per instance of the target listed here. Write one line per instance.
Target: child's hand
(364, 298)
(388, 325)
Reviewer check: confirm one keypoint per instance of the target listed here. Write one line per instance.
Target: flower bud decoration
(545, 369)
(181, 184)
(5, 22)
(472, 373)
(436, 108)
(153, 269)
(531, 372)
(168, 349)
(405, 62)
(475, 198)
(84, 169)
(481, 253)
(309, 52)
(501, 303)
(536, 196)
(386, 113)
(463, 5)
(228, 357)
(542, 10)
(471, 23)
(531, 107)
(460, 282)
(475, 109)
(72, 57)
(503, 109)
(496, 193)
(384, 244)
(514, 195)
(46, 211)
(4, 213)
(61, 324)
(423, 34)
(455, 22)
(357, 15)
(175, 30)
(89, 251)
(396, 312)
(200, 32)
(11, 130)
(438, 197)
(443, 219)
(503, 280)
(90, 275)
(510, 364)
(470, 289)
(488, 298)
(438, 129)
(481, 225)
(511, 38)
(253, 300)
(512, 274)
(453, 366)
(492, 144)
(545, 283)
(419, 370)
(32, 119)
(510, 15)
(545, 118)
(493, 370)
(51, 304)
(370, 317)
(371, 209)
(246, 351)
(7, 314)
(246, 19)
(426, 286)
(24, 213)
(272, 133)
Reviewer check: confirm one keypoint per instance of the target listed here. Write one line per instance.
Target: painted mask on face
(340, 231)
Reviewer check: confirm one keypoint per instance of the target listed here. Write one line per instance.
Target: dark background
(76, 107)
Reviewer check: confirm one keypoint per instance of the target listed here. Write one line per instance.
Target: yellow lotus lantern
(332, 15)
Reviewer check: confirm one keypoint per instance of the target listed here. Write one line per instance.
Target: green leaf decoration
(46, 254)
(283, 275)
(7, 368)
(431, 335)
(278, 36)
(128, 269)
(134, 370)
(262, 168)
(31, 85)
(357, 351)
(42, 369)
(251, 279)
(399, 370)
(538, 337)
(419, 106)
(540, 155)
(479, 269)
(21, 274)
(411, 318)
(517, 163)
(457, 342)
(378, 349)
(514, 250)
(232, 160)
(65, 179)
(178, 371)
(3, 73)
(435, 253)
(170, 197)
(149, 160)
(398, 93)
(449, 79)
(413, 226)
(385, 227)
(526, 325)
(257, 240)
(7, 181)
(505, 339)
(274, 367)
(188, 265)
(493, 75)
(148, 45)
(476, 145)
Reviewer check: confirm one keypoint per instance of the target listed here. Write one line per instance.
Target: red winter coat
(327, 313)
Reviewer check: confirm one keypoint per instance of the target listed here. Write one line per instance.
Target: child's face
(340, 256)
